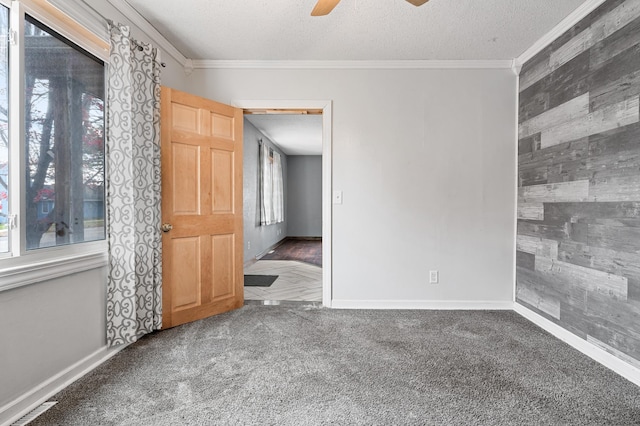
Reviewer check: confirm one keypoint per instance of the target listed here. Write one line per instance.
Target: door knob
(166, 227)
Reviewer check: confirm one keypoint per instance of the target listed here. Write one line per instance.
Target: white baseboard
(610, 361)
(45, 390)
(423, 304)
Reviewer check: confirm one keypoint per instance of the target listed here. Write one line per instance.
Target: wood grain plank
(561, 291)
(578, 232)
(568, 111)
(574, 319)
(600, 258)
(613, 351)
(531, 211)
(582, 41)
(585, 324)
(624, 188)
(613, 286)
(533, 176)
(527, 244)
(529, 144)
(613, 334)
(615, 141)
(539, 300)
(547, 230)
(555, 192)
(597, 167)
(627, 86)
(533, 74)
(577, 45)
(618, 238)
(573, 212)
(563, 84)
(615, 20)
(559, 154)
(532, 105)
(626, 62)
(613, 222)
(609, 48)
(533, 290)
(617, 315)
(539, 67)
(525, 260)
(537, 246)
(607, 118)
(582, 166)
(606, 260)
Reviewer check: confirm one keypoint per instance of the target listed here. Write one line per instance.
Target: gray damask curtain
(134, 288)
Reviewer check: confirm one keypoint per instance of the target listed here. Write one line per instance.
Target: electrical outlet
(433, 277)
(249, 245)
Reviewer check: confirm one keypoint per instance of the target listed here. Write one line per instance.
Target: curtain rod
(96, 22)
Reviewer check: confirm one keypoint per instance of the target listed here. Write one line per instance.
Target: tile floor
(297, 281)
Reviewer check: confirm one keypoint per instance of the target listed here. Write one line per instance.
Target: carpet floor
(304, 365)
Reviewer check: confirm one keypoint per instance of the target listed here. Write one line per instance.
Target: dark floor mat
(259, 280)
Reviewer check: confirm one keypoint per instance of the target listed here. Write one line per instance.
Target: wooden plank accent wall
(578, 237)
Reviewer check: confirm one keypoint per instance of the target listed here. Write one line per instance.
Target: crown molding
(516, 66)
(85, 15)
(139, 21)
(401, 64)
(567, 23)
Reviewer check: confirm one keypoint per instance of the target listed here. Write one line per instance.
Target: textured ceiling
(355, 30)
(294, 134)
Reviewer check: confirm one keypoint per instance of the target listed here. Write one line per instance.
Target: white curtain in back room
(271, 186)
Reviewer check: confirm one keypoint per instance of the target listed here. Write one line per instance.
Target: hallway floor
(297, 281)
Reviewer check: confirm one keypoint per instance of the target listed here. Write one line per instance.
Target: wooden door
(202, 267)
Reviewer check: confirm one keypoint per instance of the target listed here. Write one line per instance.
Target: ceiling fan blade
(417, 2)
(324, 7)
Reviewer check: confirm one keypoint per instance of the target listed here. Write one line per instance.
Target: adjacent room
(283, 256)
(457, 243)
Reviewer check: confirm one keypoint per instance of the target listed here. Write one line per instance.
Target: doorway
(323, 108)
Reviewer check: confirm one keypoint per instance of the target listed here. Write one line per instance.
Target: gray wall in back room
(304, 203)
(578, 239)
(259, 237)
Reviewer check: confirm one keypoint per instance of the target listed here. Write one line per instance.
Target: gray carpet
(302, 365)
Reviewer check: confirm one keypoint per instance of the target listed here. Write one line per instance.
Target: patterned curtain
(134, 287)
(271, 186)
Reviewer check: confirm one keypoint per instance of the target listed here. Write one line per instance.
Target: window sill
(38, 271)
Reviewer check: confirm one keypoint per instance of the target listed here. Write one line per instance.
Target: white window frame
(21, 267)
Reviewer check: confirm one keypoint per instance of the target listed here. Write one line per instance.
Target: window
(52, 158)
(4, 130)
(271, 186)
(64, 140)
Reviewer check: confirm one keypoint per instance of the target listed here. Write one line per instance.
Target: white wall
(47, 327)
(259, 237)
(51, 330)
(426, 162)
(304, 196)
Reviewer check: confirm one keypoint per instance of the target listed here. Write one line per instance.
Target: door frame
(327, 213)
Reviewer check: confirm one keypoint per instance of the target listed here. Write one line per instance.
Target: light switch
(337, 197)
